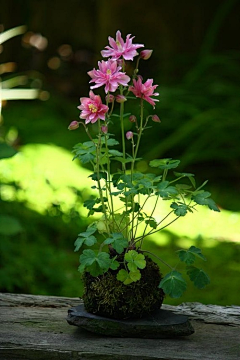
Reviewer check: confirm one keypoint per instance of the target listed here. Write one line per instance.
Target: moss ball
(106, 296)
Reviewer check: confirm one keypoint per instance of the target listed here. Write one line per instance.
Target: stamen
(92, 108)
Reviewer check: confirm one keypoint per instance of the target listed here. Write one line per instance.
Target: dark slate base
(161, 324)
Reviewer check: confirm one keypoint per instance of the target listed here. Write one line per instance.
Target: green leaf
(94, 264)
(152, 223)
(85, 152)
(179, 209)
(135, 259)
(198, 276)
(118, 242)
(112, 142)
(89, 241)
(164, 163)
(135, 275)
(6, 151)
(189, 256)
(78, 243)
(203, 198)
(115, 153)
(123, 276)
(128, 277)
(166, 191)
(127, 160)
(114, 265)
(99, 176)
(173, 284)
(90, 203)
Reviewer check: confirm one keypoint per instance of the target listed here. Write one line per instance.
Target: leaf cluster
(174, 284)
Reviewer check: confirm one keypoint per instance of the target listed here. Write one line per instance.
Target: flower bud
(121, 99)
(145, 54)
(129, 135)
(155, 118)
(132, 118)
(120, 62)
(109, 98)
(104, 129)
(73, 125)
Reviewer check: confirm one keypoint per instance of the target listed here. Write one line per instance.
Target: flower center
(92, 108)
(108, 72)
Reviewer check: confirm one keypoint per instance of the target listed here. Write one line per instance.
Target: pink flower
(92, 108)
(144, 91)
(120, 48)
(108, 75)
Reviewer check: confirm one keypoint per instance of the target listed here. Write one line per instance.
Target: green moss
(106, 296)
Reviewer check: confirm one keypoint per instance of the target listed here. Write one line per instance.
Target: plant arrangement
(121, 279)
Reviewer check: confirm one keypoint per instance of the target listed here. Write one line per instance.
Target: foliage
(124, 194)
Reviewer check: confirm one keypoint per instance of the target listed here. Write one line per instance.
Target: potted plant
(121, 279)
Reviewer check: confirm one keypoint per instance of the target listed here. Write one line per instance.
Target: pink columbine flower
(92, 108)
(73, 125)
(120, 48)
(144, 91)
(108, 75)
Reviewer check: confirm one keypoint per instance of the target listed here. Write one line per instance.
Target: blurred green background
(196, 64)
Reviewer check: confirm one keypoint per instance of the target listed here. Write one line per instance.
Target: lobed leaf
(133, 257)
(173, 284)
(198, 277)
(203, 198)
(166, 191)
(94, 264)
(164, 163)
(118, 242)
(179, 209)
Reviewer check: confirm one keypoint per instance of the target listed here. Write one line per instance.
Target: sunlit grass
(44, 177)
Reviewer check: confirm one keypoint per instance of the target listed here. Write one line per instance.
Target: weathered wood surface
(35, 327)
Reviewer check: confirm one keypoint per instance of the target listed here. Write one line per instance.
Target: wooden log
(35, 327)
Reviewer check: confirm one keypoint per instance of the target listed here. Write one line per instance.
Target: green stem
(149, 252)
(98, 154)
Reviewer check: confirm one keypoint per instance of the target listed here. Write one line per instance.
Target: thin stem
(149, 252)
(154, 208)
(98, 153)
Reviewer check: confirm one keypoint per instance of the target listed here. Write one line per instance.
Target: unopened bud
(73, 125)
(120, 62)
(121, 99)
(132, 118)
(109, 98)
(146, 54)
(155, 118)
(104, 129)
(129, 135)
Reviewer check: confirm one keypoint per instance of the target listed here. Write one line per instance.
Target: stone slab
(160, 325)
